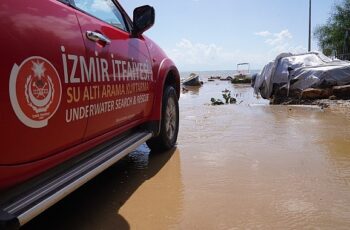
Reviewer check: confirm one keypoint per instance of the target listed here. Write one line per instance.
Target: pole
(309, 49)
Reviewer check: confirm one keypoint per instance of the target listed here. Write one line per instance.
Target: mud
(249, 165)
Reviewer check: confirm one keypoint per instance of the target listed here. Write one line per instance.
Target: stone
(342, 92)
(283, 91)
(312, 93)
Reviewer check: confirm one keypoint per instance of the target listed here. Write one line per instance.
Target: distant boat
(192, 80)
(212, 78)
(243, 71)
(243, 74)
(228, 78)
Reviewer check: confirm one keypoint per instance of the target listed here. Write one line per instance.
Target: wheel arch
(167, 74)
(173, 79)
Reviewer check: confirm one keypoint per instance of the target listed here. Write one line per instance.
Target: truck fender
(167, 74)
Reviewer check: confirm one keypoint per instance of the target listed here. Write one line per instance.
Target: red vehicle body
(71, 80)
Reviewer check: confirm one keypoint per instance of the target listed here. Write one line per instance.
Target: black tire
(169, 126)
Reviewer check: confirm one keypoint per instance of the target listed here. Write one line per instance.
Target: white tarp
(310, 70)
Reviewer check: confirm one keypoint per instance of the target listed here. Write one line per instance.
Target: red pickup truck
(81, 87)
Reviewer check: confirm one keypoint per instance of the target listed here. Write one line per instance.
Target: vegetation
(335, 34)
(226, 94)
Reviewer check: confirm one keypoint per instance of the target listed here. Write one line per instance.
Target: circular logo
(35, 91)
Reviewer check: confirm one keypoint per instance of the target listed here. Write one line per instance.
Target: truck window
(105, 10)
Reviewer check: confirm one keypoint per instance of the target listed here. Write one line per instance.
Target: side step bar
(31, 203)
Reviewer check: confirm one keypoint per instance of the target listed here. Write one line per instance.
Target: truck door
(117, 67)
(34, 94)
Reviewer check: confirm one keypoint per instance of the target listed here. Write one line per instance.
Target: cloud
(263, 33)
(194, 55)
(280, 42)
(279, 38)
(189, 55)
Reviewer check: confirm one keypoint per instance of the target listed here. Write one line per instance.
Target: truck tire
(169, 125)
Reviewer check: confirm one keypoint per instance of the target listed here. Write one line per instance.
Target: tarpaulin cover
(309, 70)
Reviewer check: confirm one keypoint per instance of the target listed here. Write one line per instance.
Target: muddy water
(244, 166)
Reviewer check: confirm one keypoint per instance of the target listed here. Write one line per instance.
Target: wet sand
(243, 166)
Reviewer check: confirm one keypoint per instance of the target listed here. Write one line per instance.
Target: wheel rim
(170, 118)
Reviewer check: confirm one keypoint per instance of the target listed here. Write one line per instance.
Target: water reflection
(192, 90)
(263, 166)
(242, 166)
(149, 183)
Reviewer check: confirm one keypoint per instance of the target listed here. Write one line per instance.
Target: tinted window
(105, 10)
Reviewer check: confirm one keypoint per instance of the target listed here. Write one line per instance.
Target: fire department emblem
(35, 91)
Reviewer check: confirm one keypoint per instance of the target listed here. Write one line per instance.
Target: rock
(283, 91)
(333, 97)
(216, 101)
(312, 93)
(280, 95)
(233, 100)
(342, 92)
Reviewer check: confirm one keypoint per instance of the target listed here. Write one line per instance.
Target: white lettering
(85, 72)
(96, 69)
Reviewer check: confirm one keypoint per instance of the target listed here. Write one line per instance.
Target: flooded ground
(243, 166)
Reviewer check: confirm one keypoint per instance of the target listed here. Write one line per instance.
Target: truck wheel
(169, 126)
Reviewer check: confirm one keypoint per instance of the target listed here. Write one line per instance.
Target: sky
(216, 35)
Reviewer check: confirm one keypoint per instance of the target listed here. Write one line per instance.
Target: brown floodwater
(243, 166)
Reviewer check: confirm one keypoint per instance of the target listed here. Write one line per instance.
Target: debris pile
(303, 78)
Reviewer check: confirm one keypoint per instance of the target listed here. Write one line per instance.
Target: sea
(206, 74)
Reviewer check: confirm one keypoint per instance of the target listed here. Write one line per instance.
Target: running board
(30, 204)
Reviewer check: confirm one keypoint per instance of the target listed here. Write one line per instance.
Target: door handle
(97, 37)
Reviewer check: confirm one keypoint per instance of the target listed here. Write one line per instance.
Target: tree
(334, 35)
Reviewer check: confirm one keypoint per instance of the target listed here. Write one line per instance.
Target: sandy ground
(243, 166)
